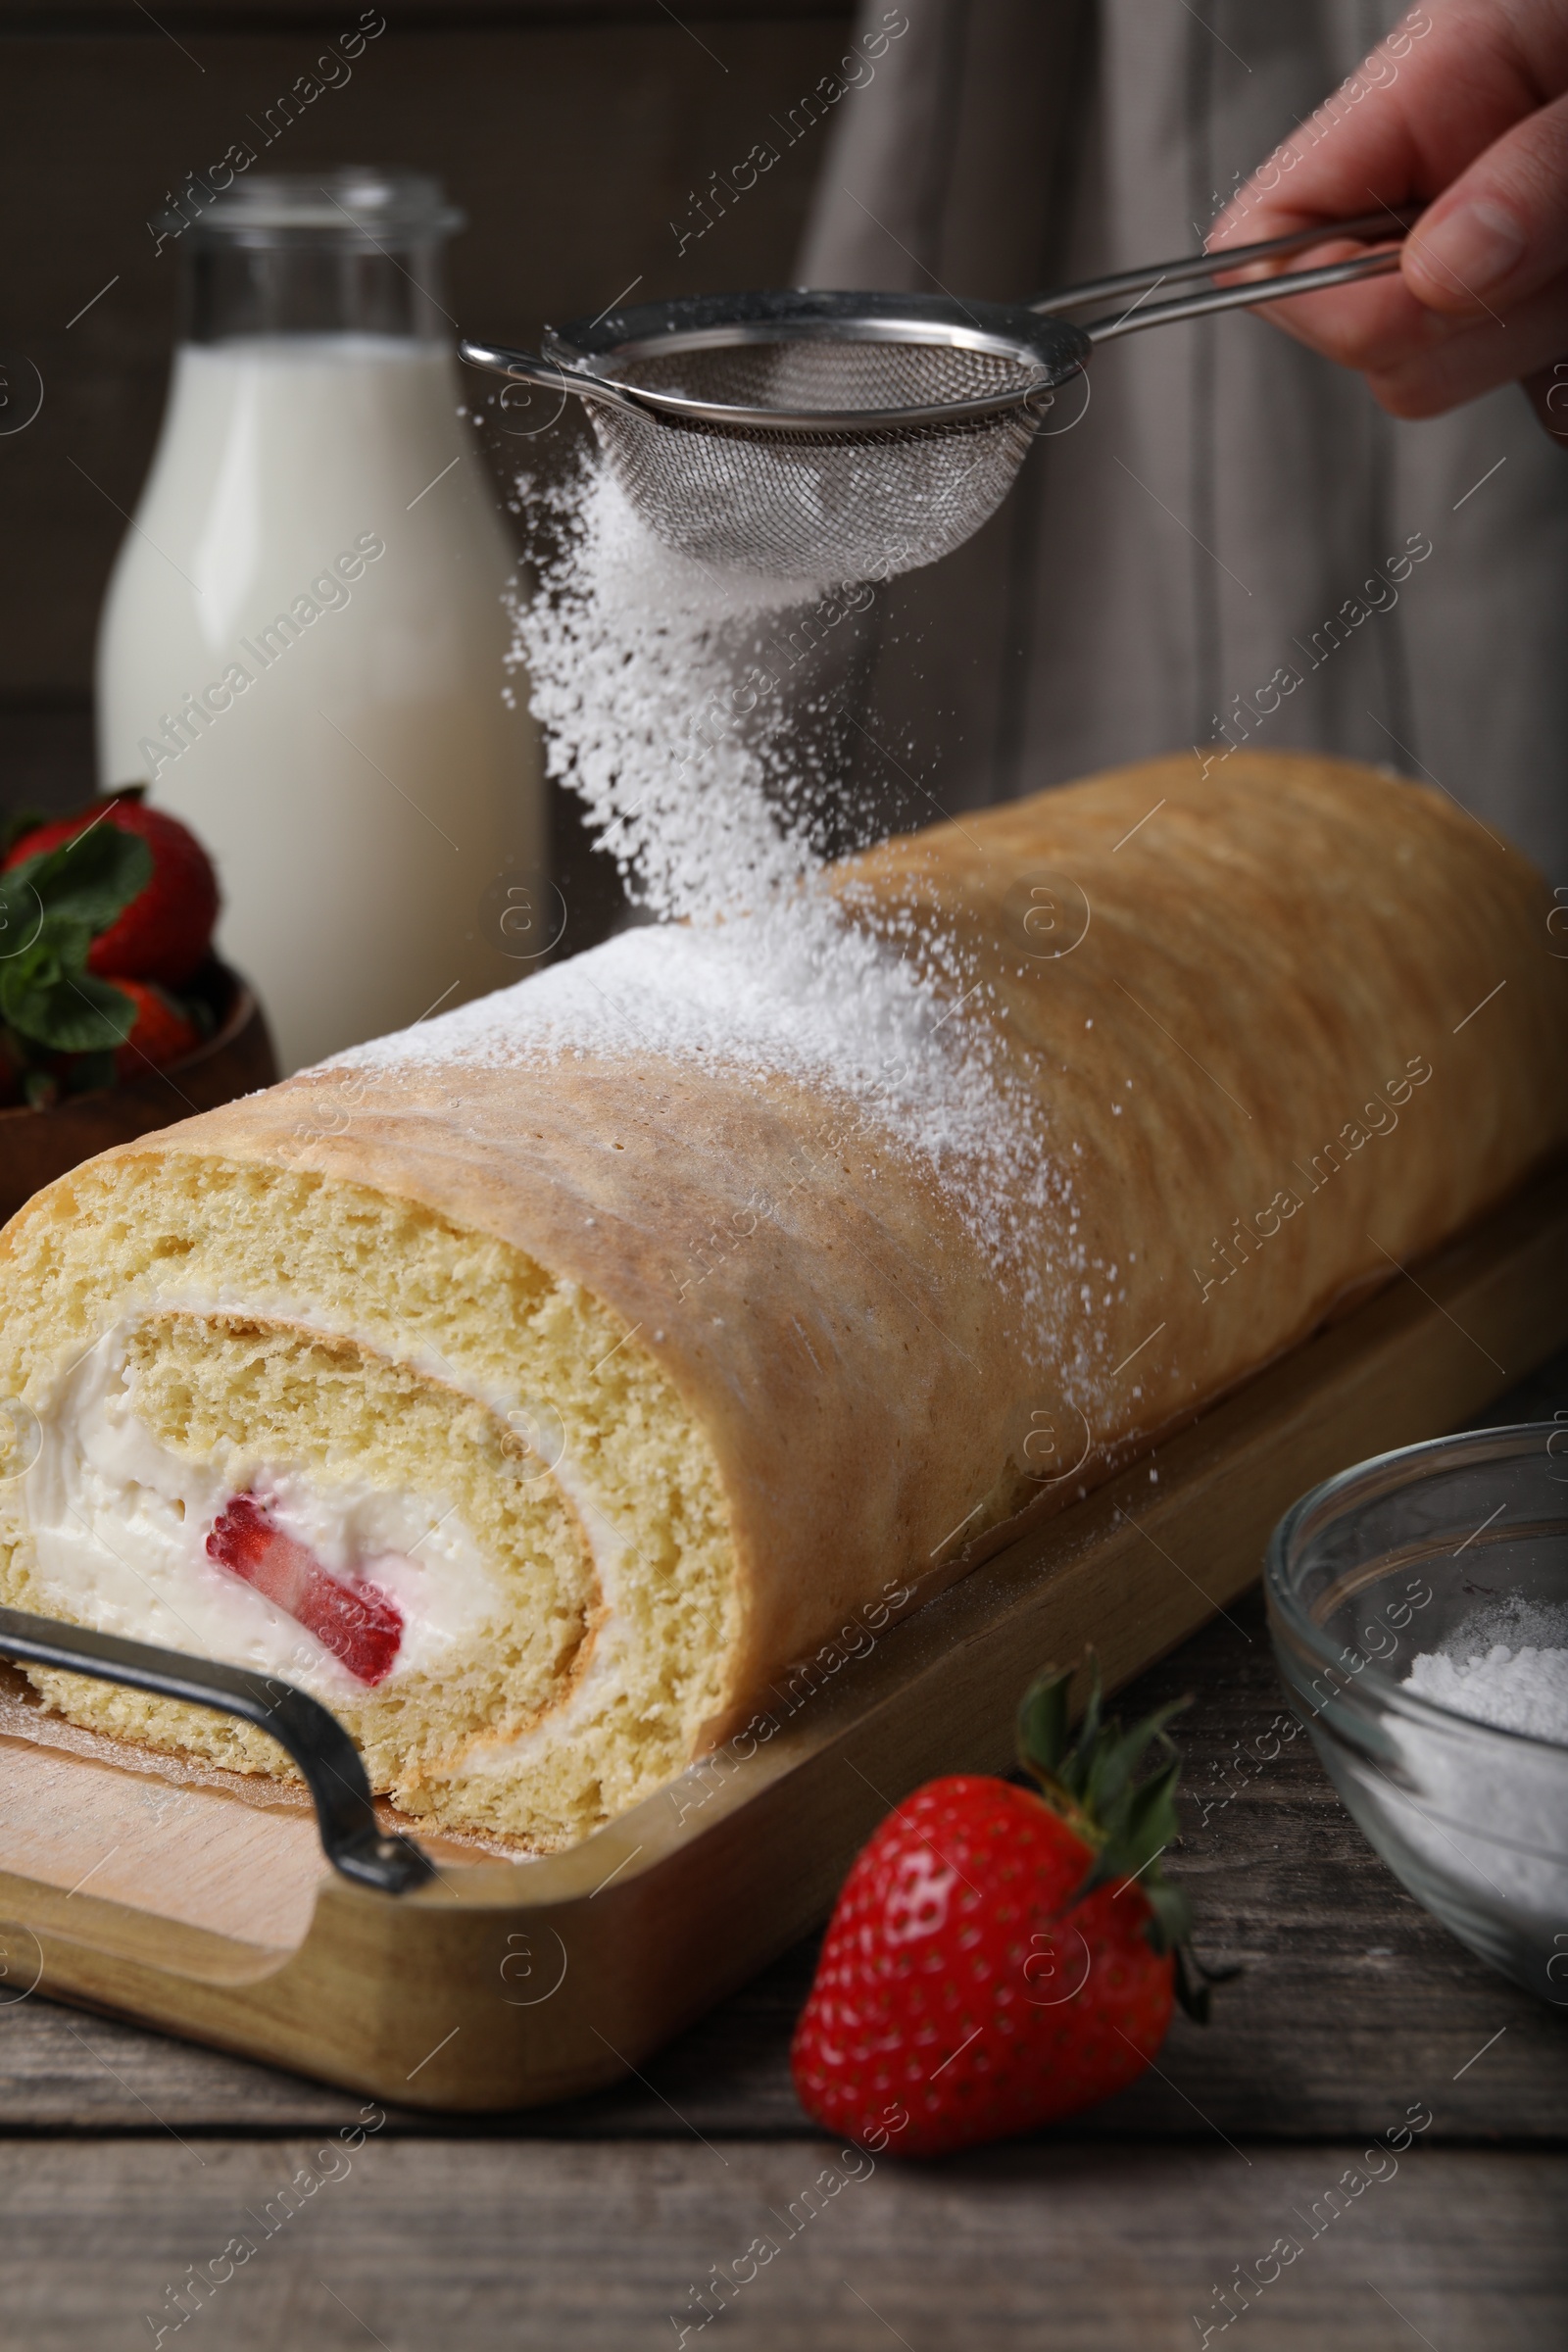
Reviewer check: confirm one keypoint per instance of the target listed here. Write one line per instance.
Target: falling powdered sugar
(662, 689)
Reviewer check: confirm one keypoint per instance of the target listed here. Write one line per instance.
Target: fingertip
(1413, 400)
(1460, 259)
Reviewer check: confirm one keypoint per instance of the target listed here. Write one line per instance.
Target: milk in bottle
(303, 647)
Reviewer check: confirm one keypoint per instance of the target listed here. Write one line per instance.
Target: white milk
(327, 717)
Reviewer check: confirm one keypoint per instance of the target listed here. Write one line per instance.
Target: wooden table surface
(127, 2161)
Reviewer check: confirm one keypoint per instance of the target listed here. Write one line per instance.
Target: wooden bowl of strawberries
(115, 1017)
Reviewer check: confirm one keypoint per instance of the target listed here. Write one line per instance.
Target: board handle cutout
(352, 1839)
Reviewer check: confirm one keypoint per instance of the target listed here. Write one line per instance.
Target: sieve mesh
(846, 508)
(827, 374)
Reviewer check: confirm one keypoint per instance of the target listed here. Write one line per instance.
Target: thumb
(1500, 231)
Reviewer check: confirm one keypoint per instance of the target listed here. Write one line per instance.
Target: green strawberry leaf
(70, 1011)
(1081, 1754)
(1193, 1979)
(16, 823)
(1128, 1824)
(1060, 1765)
(21, 917)
(1171, 1915)
(92, 879)
(53, 907)
(56, 945)
(1043, 1721)
(1118, 1756)
(1148, 1824)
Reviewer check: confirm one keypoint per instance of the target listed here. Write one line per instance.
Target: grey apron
(1232, 543)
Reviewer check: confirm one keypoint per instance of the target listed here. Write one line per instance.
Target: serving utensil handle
(1385, 223)
(352, 1838)
(1243, 298)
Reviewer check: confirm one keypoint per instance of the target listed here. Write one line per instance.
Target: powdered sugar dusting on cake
(658, 683)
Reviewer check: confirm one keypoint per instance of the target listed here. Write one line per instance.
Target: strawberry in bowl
(115, 1016)
(106, 919)
(161, 1033)
(165, 932)
(998, 1959)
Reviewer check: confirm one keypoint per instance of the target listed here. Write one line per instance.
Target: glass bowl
(1449, 1548)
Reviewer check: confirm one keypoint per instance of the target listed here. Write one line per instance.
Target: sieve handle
(527, 367)
(1244, 298)
(1380, 224)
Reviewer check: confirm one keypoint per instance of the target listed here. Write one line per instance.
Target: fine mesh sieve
(850, 436)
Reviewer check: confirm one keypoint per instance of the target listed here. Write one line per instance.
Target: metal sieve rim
(1048, 350)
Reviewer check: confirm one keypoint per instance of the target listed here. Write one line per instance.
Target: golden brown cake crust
(1325, 987)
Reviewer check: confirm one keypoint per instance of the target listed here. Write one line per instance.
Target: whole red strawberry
(997, 1959)
(161, 1031)
(166, 931)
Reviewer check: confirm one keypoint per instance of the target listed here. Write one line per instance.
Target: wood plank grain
(1352, 1992)
(407, 2245)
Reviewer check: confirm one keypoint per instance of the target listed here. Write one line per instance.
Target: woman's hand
(1462, 108)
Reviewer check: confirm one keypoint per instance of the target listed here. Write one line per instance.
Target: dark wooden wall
(570, 131)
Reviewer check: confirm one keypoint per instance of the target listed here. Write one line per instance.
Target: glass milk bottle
(301, 652)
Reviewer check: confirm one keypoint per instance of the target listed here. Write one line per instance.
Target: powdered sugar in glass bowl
(1418, 1606)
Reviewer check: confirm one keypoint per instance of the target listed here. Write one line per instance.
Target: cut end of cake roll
(306, 1427)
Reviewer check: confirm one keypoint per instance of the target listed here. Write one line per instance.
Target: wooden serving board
(508, 1984)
